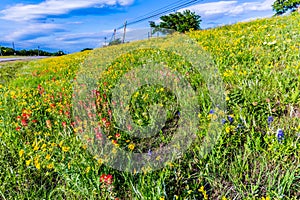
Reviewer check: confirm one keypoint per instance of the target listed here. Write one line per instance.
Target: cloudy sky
(72, 25)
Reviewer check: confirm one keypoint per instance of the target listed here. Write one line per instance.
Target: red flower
(107, 124)
(118, 135)
(25, 116)
(109, 113)
(129, 127)
(48, 123)
(104, 120)
(24, 122)
(106, 178)
(67, 113)
(18, 128)
(98, 136)
(97, 93)
(114, 142)
(52, 105)
(34, 121)
(64, 124)
(40, 89)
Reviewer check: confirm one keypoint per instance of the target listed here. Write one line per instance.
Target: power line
(166, 11)
(155, 11)
(189, 3)
(168, 8)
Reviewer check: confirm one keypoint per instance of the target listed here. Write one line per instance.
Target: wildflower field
(45, 153)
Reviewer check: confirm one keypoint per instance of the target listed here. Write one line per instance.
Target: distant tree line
(6, 51)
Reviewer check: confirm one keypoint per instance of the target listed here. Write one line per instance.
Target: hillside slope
(257, 155)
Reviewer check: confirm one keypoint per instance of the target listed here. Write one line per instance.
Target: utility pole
(124, 31)
(115, 31)
(105, 41)
(13, 44)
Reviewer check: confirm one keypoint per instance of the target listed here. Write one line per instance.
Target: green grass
(43, 155)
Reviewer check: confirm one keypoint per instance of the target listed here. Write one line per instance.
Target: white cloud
(255, 18)
(32, 31)
(81, 36)
(229, 7)
(212, 8)
(21, 12)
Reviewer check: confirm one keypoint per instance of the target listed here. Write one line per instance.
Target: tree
(59, 53)
(282, 6)
(181, 22)
(86, 49)
(115, 42)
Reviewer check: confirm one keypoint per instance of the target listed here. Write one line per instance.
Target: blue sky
(72, 25)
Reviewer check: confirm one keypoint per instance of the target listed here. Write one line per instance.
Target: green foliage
(6, 51)
(86, 49)
(282, 6)
(115, 42)
(9, 70)
(259, 64)
(181, 22)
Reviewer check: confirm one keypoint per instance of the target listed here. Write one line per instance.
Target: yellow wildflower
(114, 151)
(36, 147)
(50, 166)
(48, 157)
(87, 170)
(227, 129)
(21, 153)
(28, 162)
(267, 198)
(38, 165)
(131, 146)
(100, 161)
(65, 149)
(201, 189)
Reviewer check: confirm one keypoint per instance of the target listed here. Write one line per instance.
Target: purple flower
(223, 121)
(211, 111)
(149, 152)
(230, 119)
(280, 135)
(270, 120)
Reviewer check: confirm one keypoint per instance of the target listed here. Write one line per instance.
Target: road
(21, 58)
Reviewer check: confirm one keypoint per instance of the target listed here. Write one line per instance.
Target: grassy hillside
(43, 155)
